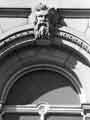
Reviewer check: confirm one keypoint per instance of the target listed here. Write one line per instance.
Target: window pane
(20, 117)
(37, 117)
(63, 117)
(43, 86)
(87, 118)
(29, 118)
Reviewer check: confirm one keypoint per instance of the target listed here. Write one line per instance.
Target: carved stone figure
(46, 22)
(41, 22)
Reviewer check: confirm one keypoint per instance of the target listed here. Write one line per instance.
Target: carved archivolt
(61, 34)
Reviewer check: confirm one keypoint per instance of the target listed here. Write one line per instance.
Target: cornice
(25, 12)
(15, 12)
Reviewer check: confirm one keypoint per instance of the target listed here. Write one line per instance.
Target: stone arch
(24, 39)
(40, 67)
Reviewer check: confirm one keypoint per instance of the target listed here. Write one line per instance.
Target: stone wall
(80, 25)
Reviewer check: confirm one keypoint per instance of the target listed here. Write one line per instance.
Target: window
(44, 95)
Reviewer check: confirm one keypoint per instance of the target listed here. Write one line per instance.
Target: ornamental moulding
(61, 34)
(74, 39)
(48, 26)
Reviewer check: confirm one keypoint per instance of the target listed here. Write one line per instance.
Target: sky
(54, 3)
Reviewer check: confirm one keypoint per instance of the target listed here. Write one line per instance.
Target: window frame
(67, 110)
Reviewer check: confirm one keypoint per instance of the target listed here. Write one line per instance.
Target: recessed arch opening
(77, 87)
(32, 86)
(42, 83)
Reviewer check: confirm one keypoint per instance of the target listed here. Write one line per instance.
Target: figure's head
(45, 21)
(41, 13)
(41, 21)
